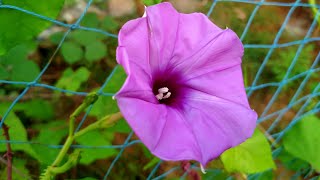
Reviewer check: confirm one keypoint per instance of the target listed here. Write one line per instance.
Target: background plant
(39, 120)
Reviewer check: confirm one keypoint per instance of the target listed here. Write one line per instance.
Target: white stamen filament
(163, 93)
(202, 169)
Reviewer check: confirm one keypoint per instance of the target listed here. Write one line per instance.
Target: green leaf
(25, 71)
(3, 73)
(90, 20)
(88, 178)
(56, 37)
(16, 66)
(303, 140)
(17, 26)
(95, 138)
(106, 105)
(116, 81)
(17, 132)
(151, 2)
(71, 52)
(86, 37)
(267, 175)
(291, 162)
(151, 163)
(72, 80)
(252, 156)
(109, 24)
(146, 152)
(38, 109)
(95, 51)
(2, 92)
(50, 133)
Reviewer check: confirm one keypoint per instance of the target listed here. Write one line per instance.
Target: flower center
(163, 93)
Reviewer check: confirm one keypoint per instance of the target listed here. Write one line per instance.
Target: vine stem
(8, 154)
(90, 99)
(103, 123)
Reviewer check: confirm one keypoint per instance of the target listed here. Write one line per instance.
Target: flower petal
(173, 34)
(163, 22)
(145, 118)
(218, 124)
(164, 37)
(160, 128)
(176, 142)
(226, 84)
(133, 44)
(216, 52)
(138, 83)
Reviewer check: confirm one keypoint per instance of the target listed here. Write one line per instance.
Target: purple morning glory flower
(184, 96)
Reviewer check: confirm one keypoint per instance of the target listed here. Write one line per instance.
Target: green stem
(63, 151)
(103, 123)
(90, 99)
(53, 171)
(72, 161)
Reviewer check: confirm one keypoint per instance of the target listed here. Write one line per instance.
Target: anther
(163, 90)
(167, 95)
(159, 96)
(163, 93)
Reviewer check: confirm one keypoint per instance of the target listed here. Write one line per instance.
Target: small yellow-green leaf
(252, 156)
(150, 164)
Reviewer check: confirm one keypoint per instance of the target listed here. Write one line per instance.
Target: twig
(16, 170)
(8, 154)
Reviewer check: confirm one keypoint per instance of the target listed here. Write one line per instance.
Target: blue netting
(300, 100)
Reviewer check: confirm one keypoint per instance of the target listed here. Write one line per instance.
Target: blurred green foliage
(72, 80)
(83, 62)
(306, 132)
(280, 64)
(25, 27)
(15, 65)
(82, 45)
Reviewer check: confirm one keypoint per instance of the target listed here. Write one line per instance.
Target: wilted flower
(184, 95)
